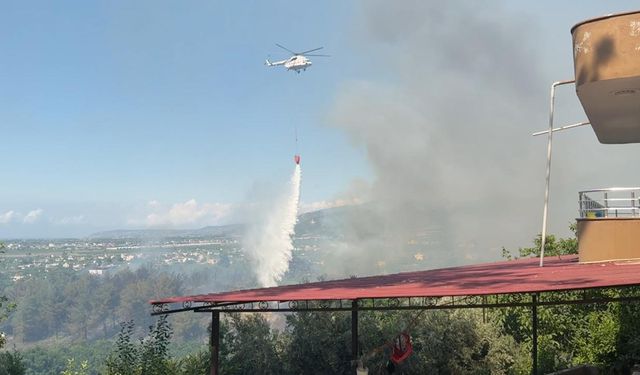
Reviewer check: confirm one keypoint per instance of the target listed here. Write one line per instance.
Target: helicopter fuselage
(297, 63)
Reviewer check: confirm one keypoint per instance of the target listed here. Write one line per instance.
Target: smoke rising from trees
(444, 135)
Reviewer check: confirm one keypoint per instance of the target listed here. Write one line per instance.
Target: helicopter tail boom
(274, 63)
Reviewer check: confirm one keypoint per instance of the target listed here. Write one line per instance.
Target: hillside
(326, 221)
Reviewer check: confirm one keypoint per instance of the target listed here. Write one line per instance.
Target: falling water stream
(271, 242)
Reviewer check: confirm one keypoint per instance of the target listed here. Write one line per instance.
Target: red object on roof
(516, 276)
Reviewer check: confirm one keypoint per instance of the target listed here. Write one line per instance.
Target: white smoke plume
(447, 133)
(268, 242)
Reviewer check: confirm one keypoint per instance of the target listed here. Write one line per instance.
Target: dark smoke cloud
(445, 134)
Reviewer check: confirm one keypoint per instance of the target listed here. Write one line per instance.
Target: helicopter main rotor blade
(287, 49)
(319, 55)
(311, 50)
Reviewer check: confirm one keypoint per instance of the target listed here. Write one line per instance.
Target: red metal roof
(517, 276)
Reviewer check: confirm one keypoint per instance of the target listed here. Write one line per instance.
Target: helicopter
(298, 62)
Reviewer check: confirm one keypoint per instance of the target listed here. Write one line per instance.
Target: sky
(161, 114)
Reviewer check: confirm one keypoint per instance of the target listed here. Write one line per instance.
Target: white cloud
(6, 217)
(187, 213)
(33, 216)
(69, 220)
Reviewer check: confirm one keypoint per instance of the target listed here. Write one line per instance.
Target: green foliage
(67, 304)
(596, 341)
(197, 363)
(11, 363)
(76, 369)
(150, 356)
(6, 306)
(53, 359)
(251, 345)
(318, 343)
(71, 315)
(552, 246)
(154, 353)
(125, 356)
(628, 339)
(444, 342)
(602, 335)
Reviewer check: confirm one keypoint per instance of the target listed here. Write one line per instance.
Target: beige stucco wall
(606, 48)
(606, 52)
(608, 239)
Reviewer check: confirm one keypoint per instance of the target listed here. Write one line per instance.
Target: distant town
(217, 249)
(25, 259)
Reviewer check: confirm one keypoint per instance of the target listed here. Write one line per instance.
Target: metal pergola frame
(586, 296)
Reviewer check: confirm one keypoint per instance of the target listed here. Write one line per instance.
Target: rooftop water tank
(606, 56)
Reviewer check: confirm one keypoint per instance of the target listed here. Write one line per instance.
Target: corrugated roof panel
(517, 276)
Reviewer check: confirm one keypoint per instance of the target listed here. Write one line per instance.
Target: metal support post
(354, 330)
(484, 313)
(215, 343)
(581, 206)
(534, 334)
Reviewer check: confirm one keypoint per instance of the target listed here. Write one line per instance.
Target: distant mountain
(326, 221)
(150, 234)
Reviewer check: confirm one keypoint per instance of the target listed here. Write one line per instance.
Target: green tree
(76, 369)
(444, 342)
(124, 357)
(80, 313)
(54, 359)
(552, 246)
(154, 349)
(603, 335)
(6, 306)
(150, 356)
(628, 338)
(197, 363)
(11, 364)
(318, 343)
(251, 345)
(28, 326)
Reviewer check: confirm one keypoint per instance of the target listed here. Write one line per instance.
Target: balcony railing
(611, 202)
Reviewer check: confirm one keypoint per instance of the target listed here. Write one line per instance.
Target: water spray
(270, 243)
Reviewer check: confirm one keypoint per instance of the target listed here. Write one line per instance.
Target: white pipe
(546, 190)
(562, 128)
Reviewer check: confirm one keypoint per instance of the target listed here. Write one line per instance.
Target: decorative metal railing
(610, 202)
(551, 298)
